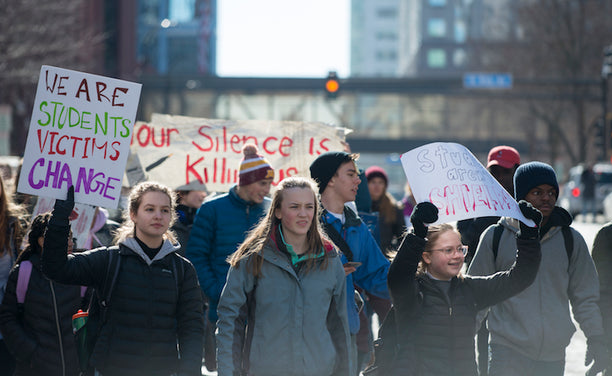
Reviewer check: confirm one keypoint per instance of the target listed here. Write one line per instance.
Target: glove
(62, 209)
(424, 212)
(597, 352)
(534, 214)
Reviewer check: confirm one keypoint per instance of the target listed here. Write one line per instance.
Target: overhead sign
(449, 176)
(487, 80)
(79, 135)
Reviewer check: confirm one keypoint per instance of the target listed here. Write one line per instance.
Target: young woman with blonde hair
(283, 308)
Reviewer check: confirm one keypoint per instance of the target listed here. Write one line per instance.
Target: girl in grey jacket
(283, 308)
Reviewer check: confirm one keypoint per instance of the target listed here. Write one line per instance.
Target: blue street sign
(487, 80)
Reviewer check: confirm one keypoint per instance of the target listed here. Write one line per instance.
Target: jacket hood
(166, 249)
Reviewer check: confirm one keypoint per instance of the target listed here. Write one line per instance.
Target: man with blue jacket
(338, 179)
(221, 224)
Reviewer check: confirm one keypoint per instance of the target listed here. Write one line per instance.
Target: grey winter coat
(297, 321)
(537, 322)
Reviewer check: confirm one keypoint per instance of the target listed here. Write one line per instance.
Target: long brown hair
(10, 215)
(127, 228)
(257, 238)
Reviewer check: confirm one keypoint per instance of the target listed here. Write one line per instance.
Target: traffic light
(332, 85)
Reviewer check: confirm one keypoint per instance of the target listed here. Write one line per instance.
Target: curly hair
(36, 230)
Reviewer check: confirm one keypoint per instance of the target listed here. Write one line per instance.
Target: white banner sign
(449, 176)
(182, 151)
(79, 135)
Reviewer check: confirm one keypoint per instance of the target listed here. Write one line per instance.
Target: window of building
(386, 35)
(181, 11)
(386, 12)
(437, 3)
(386, 55)
(459, 57)
(460, 31)
(436, 27)
(436, 58)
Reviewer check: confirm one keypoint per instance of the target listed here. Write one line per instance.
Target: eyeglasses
(463, 249)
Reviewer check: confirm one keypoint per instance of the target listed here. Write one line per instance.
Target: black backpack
(568, 238)
(386, 347)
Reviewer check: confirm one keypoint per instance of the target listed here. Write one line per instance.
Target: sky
(283, 38)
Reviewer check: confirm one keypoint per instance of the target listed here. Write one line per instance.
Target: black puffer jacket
(41, 337)
(150, 310)
(436, 331)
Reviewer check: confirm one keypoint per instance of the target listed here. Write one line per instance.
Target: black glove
(424, 212)
(597, 352)
(62, 209)
(534, 214)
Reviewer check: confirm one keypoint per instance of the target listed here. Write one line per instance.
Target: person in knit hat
(338, 178)
(219, 227)
(529, 332)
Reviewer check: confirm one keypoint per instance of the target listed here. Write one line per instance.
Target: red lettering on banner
(463, 198)
(146, 135)
(216, 170)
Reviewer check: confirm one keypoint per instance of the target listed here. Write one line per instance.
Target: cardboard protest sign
(79, 135)
(178, 150)
(80, 220)
(449, 176)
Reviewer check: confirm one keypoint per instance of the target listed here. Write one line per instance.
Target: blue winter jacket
(220, 225)
(372, 274)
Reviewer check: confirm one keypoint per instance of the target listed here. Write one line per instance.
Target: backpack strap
(112, 271)
(177, 276)
(335, 237)
(568, 238)
(497, 233)
(23, 279)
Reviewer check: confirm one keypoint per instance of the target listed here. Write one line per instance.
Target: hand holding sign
(535, 215)
(62, 209)
(449, 176)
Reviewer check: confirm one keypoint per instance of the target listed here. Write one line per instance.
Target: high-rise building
(375, 26)
(425, 37)
(176, 37)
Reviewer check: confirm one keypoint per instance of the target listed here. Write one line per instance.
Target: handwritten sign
(449, 176)
(81, 218)
(179, 150)
(79, 135)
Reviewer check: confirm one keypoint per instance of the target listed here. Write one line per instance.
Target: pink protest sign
(449, 176)
(79, 135)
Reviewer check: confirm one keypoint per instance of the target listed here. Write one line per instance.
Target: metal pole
(604, 107)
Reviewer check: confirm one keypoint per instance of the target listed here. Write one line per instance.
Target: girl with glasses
(436, 306)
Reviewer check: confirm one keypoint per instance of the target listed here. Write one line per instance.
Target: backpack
(23, 280)
(568, 238)
(386, 347)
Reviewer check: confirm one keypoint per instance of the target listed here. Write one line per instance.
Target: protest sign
(79, 135)
(80, 220)
(178, 150)
(449, 176)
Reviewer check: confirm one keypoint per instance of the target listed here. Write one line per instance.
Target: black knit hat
(532, 174)
(325, 166)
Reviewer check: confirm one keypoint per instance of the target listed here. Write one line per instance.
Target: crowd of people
(250, 282)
